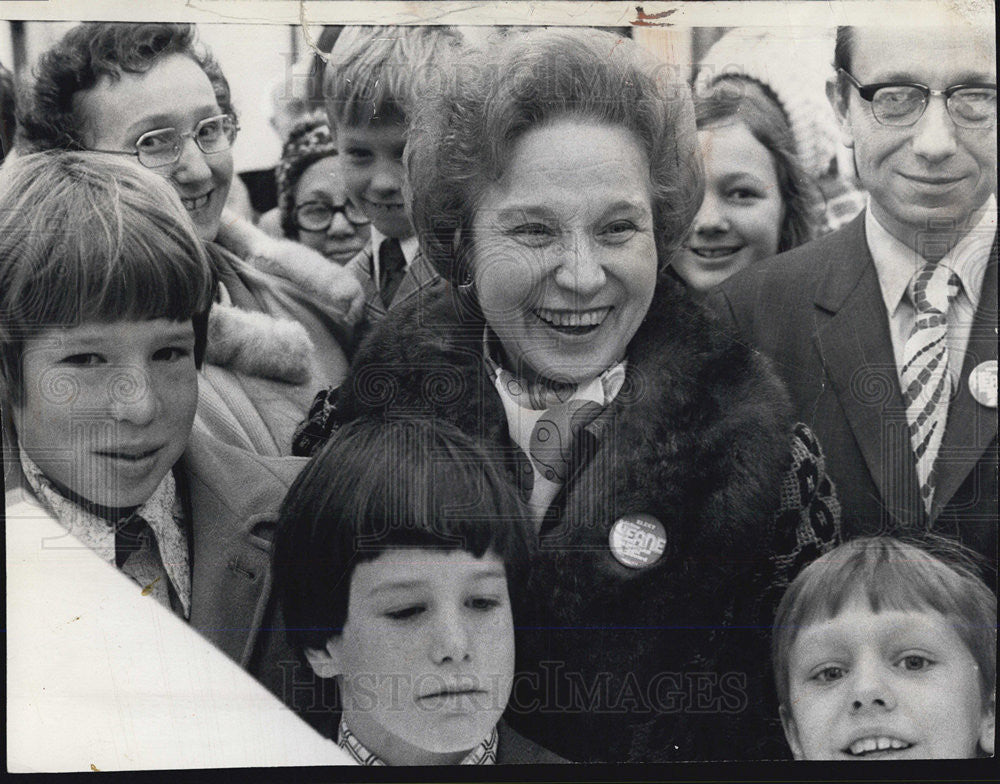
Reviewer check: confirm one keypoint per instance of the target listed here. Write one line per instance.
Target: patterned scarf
(544, 420)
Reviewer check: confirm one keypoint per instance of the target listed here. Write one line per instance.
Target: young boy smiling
(373, 77)
(394, 555)
(104, 296)
(882, 650)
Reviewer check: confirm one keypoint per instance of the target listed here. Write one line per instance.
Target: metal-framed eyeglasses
(162, 147)
(318, 215)
(901, 104)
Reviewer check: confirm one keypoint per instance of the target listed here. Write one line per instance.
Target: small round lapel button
(637, 540)
(983, 383)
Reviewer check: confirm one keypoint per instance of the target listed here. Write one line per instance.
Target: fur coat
(616, 663)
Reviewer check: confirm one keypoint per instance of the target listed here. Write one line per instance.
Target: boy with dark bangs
(105, 290)
(398, 550)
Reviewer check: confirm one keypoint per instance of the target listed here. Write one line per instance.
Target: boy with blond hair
(374, 77)
(883, 650)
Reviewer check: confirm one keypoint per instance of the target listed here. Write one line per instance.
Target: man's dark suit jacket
(818, 313)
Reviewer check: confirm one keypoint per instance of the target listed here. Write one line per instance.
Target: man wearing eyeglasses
(885, 331)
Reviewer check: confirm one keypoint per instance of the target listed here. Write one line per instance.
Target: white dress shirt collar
(896, 263)
(410, 246)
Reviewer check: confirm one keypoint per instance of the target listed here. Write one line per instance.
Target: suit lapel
(421, 279)
(971, 427)
(855, 348)
(408, 286)
(362, 267)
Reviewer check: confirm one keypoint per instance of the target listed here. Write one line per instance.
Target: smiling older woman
(552, 187)
(152, 94)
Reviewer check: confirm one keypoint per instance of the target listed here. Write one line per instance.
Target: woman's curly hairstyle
(94, 50)
(461, 139)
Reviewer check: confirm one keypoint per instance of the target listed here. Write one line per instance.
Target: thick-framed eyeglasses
(318, 215)
(900, 104)
(162, 147)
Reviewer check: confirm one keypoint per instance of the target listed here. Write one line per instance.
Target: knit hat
(794, 65)
(309, 141)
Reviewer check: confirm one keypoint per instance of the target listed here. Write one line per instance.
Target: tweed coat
(818, 313)
(421, 281)
(617, 663)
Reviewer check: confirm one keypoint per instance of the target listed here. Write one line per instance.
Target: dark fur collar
(699, 434)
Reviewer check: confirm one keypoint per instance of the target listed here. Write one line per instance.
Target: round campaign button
(637, 540)
(983, 383)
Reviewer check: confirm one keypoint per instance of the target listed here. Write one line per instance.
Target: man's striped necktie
(924, 376)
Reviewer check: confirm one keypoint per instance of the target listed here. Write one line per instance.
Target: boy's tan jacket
(231, 500)
(234, 501)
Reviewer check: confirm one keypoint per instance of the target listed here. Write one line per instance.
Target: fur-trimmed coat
(271, 342)
(635, 664)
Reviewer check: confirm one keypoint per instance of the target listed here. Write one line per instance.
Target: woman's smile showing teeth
(573, 321)
(564, 259)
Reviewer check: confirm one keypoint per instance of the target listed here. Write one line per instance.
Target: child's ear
(791, 732)
(325, 661)
(988, 727)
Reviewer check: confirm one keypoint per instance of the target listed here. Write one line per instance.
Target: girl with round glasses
(151, 92)
(312, 198)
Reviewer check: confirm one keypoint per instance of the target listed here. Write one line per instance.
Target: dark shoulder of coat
(515, 749)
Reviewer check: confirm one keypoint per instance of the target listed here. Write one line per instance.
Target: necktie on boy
(392, 268)
(153, 556)
(924, 377)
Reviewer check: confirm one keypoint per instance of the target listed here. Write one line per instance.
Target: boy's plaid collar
(484, 754)
(162, 511)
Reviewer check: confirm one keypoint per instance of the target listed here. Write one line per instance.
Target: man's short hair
(381, 485)
(936, 574)
(843, 48)
(92, 237)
